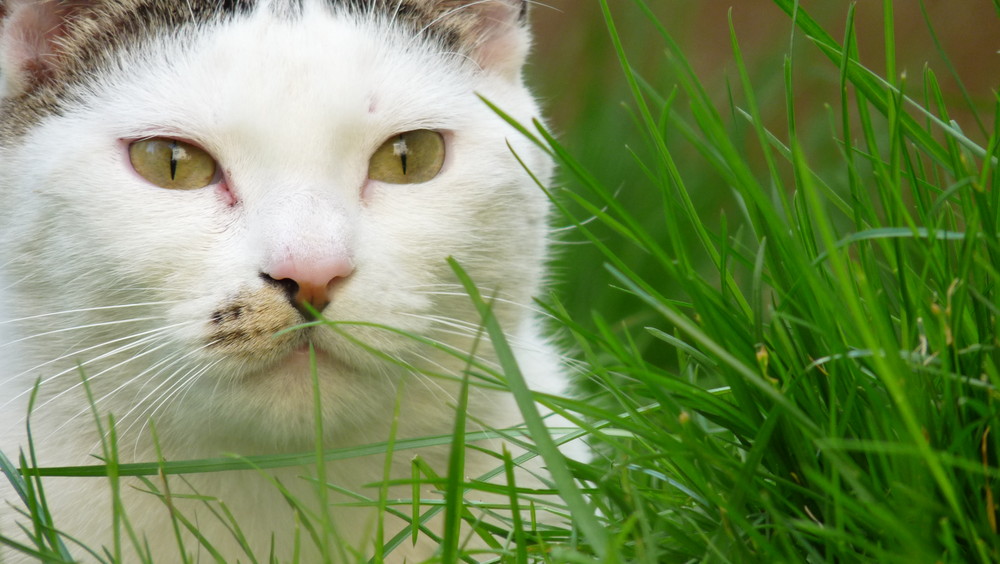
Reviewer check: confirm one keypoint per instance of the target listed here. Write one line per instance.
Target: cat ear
(29, 38)
(495, 30)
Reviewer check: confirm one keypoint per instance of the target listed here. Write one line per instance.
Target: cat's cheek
(373, 190)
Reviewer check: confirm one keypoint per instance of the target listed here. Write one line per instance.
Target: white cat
(183, 180)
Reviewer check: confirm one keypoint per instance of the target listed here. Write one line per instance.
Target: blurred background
(576, 75)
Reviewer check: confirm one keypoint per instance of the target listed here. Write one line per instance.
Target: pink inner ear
(504, 39)
(30, 30)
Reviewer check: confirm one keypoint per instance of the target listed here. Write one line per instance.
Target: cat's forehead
(280, 86)
(97, 36)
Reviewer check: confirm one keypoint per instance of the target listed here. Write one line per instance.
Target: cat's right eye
(169, 163)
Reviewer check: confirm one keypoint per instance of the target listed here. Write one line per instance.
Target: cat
(183, 182)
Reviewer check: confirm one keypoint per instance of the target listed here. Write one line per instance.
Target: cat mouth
(264, 334)
(307, 355)
(298, 359)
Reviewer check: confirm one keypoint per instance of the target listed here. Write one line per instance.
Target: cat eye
(408, 158)
(172, 164)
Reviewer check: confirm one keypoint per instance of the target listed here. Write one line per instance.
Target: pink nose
(309, 281)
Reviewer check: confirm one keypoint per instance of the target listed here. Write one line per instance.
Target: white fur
(103, 271)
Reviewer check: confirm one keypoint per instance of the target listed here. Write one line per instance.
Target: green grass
(812, 376)
(800, 368)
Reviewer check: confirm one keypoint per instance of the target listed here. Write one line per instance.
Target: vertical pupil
(400, 150)
(175, 153)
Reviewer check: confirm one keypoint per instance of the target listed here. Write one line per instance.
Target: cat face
(173, 204)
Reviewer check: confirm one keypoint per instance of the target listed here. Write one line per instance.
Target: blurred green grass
(797, 337)
(576, 75)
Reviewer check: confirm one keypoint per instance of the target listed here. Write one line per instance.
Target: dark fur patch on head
(87, 41)
(93, 32)
(457, 24)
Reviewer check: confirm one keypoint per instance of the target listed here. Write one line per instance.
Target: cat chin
(298, 352)
(260, 405)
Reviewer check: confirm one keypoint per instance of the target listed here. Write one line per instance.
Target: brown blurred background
(572, 50)
(576, 74)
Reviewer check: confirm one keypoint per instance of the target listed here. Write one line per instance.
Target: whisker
(88, 310)
(97, 401)
(433, 285)
(178, 389)
(93, 377)
(135, 417)
(182, 386)
(147, 406)
(168, 361)
(467, 329)
(146, 334)
(462, 328)
(531, 308)
(175, 359)
(79, 327)
(430, 384)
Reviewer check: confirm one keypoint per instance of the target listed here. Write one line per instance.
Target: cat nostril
(291, 287)
(299, 295)
(308, 283)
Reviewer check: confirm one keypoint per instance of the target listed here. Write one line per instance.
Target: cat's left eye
(169, 163)
(408, 158)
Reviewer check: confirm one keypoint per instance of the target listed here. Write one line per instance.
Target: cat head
(187, 180)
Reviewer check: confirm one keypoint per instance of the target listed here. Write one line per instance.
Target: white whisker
(429, 383)
(147, 335)
(183, 384)
(92, 377)
(169, 360)
(461, 294)
(78, 328)
(97, 402)
(175, 359)
(462, 328)
(88, 310)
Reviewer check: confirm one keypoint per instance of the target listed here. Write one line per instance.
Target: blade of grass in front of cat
(326, 520)
(584, 517)
(520, 541)
(383, 495)
(46, 535)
